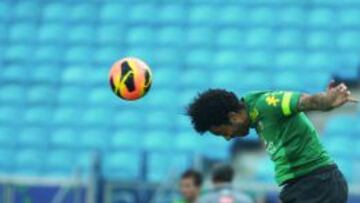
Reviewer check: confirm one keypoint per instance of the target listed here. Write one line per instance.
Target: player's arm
(335, 96)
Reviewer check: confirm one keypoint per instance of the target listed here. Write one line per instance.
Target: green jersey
(290, 138)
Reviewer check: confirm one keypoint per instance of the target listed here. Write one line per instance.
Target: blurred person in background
(223, 192)
(247, 156)
(190, 186)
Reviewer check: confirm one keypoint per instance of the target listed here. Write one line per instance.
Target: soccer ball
(130, 78)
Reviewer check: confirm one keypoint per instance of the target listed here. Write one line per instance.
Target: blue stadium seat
(258, 37)
(59, 163)
(46, 54)
(140, 13)
(165, 76)
(6, 136)
(65, 138)
(158, 140)
(76, 74)
(262, 16)
(322, 17)
(197, 57)
(97, 75)
(182, 122)
(341, 125)
(127, 118)
(55, 12)
(162, 165)
(113, 12)
(258, 60)
(126, 139)
(209, 143)
(292, 16)
(158, 118)
(71, 95)
(265, 171)
(14, 72)
(18, 52)
(10, 114)
(83, 160)
(161, 98)
(66, 115)
(320, 39)
(356, 145)
(45, 73)
(12, 93)
(27, 10)
(143, 52)
(187, 95)
(79, 54)
(6, 154)
(41, 94)
(84, 13)
(82, 34)
(5, 10)
(122, 165)
(166, 56)
(289, 38)
(52, 32)
(140, 35)
(224, 78)
(347, 67)
(22, 33)
(317, 82)
(229, 37)
(94, 139)
(38, 115)
(171, 13)
(187, 140)
(321, 61)
(339, 145)
(101, 95)
(194, 77)
(35, 137)
(348, 16)
(226, 58)
(3, 34)
(107, 55)
(232, 15)
(200, 35)
(110, 34)
(288, 81)
(254, 80)
(349, 40)
(96, 116)
(29, 161)
(345, 165)
(202, 14)
(289, 60)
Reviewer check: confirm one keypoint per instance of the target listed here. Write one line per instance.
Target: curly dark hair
(211, 108)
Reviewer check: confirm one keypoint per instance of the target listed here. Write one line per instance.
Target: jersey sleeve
(280, 103)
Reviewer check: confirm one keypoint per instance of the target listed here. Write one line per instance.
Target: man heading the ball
(302, 166)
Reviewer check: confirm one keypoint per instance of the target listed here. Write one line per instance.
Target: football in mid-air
(130, 78)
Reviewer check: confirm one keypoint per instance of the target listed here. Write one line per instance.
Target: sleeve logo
(271, 100)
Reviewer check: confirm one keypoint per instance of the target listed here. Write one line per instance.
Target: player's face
(188, 189)
(238, 126)
(229, 131)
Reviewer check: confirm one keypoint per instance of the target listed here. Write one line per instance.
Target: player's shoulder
(260, 98)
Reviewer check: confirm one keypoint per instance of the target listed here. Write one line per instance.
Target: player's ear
(233, 117)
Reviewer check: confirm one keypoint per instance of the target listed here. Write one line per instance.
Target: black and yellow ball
(130, 78)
